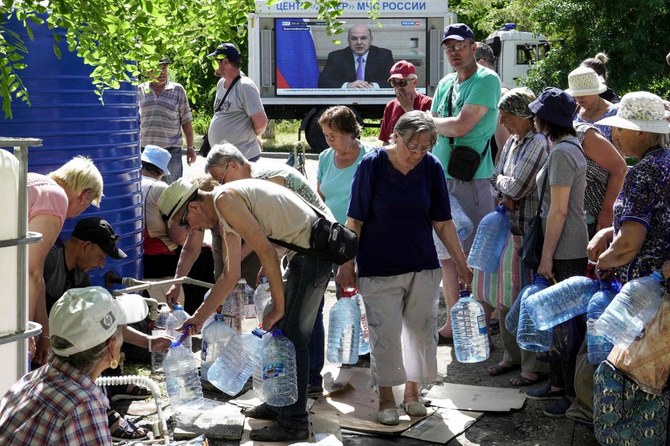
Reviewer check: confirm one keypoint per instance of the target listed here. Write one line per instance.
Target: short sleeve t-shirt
(46, 197)
(397, 212)
(335, 183)
(232, 122)
(567, 167)
(482, 88)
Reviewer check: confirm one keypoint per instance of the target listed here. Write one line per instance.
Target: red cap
(402, 70)
(349, 292)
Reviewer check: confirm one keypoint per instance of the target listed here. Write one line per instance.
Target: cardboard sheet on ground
(444, 425)
(479, 398)
(216, 419)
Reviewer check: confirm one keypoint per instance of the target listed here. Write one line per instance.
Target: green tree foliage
(632, 33)
(123, 41)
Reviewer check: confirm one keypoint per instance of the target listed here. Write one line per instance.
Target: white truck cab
(515, 52)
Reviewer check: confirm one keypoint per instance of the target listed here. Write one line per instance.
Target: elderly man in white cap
(59, 403)
(403, 79)
(254, 210)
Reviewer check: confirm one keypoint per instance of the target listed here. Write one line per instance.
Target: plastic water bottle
(527, 335)
(464, 226)
(364, 338)
(344, 328)
(598, 346)
(235, 306)
(280, 381)
(175, 319)
(257, 374)
(490, 238)
(181, 378)
(215, 336)
(512, 318)
(235, 364)
(160, 328)
(634, 306)
(471, 339)
(562, 301)
(262, 298)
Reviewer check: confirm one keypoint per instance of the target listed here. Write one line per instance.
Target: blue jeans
(175, 165)
(317, 349)
(306, 281)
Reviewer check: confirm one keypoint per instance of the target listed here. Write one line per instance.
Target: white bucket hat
(641, 111)
(157, 156)
(174, 198)
(584, 81)
(87, 317)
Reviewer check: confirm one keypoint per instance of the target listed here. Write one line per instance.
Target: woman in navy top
(398, 196)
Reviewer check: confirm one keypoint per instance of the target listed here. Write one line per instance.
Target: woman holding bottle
(565, 231)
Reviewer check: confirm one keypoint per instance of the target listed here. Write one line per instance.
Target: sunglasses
(400, 82)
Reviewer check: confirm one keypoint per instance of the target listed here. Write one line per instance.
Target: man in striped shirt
(164, 113)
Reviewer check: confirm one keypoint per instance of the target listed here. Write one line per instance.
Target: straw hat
(174, 197)
(584, 81)
(641, 111)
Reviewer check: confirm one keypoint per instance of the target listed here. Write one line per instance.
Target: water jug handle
(258, 332)
(182, 337)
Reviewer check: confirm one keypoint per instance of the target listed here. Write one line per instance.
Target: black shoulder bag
(328, 240)
(533, 239)
(464, 161)
(206, 147)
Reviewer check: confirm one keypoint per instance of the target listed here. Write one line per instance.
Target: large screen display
(310, 63)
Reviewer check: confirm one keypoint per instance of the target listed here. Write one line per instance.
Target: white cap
(87, 317)
(157, 156)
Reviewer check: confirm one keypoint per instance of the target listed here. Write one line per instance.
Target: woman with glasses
(399, 195)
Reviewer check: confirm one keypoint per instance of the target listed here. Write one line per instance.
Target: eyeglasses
(182, 222)
(456, 47)
(400, 82)
(415, 148)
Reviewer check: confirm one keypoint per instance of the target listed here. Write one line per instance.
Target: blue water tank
(70, 119)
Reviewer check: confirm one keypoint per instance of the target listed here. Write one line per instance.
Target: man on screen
(361, 65)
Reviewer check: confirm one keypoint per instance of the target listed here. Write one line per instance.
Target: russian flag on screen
(297, 66)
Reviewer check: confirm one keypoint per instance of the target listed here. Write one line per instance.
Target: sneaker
(558, 408)
(545, 393)
(277, 432)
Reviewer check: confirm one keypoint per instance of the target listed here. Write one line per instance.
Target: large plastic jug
(528, 336)
(598, 346)
(490, 238)
(235, 364)
(280, 381)
(344, 331)
(215, 336)
(364, 338)
(562, 301)
(512, 318)
(471, 339)
(174, 320)
(631, 309)
(159, 328)
(464, 226)
(262, 298)
(181, 378)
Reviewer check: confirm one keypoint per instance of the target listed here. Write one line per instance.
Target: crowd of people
(560, 153)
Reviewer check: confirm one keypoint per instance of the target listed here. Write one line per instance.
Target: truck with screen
(300, 70)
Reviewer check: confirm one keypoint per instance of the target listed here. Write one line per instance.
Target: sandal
(129, 392)
(521, 381)
(123, 430)
(502, 369)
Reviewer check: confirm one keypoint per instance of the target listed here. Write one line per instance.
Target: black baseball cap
(98, 231)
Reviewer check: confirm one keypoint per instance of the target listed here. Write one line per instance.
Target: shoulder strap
(544, 183)
(230, 87)
(449, 110)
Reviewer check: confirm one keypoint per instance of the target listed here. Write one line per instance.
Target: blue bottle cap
(259, 332)
(218, 317)
(464, 293)
(500, 208)
(178, 307)
(657, 276)
(538, 279)
(277, 332)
